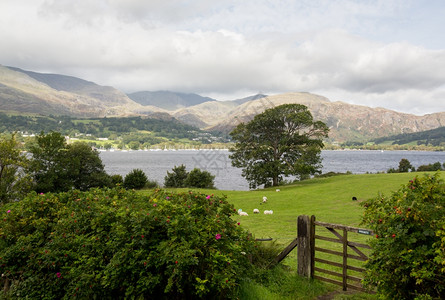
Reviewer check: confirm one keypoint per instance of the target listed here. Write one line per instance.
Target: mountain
(168, 100)
(346, 121)
(36, 93)
(27, 92)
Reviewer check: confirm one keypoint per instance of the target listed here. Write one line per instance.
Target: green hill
(433, 137)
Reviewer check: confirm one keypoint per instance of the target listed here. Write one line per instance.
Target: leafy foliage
(136, 179)
(408, 258)
(284, 140)
(14, 181)
(57, 166)
(200, 179)
(115, 244)
(437, 166)
(176, 178)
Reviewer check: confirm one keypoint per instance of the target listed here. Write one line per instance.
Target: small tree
(408, 253)
(282, 141)
(200, 179)
(176, 178)
(57, 166)
(136, 179)
(405, 166)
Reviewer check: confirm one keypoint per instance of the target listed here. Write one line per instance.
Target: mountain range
(27, 92)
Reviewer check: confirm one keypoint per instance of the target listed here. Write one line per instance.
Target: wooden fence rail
(307, 249)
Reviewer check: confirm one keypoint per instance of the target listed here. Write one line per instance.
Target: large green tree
(14, 181)
(281, 141)
(57, 166)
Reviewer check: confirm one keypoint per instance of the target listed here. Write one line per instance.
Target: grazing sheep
(277, 190)
(268, 212)
(264, 199)
(242, 213)
(256, 211)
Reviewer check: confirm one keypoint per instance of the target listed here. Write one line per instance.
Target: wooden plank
(354, 278)
(328, 272)
(304, 253)
(338, 226)
(329, 251)
(357, 269)
(286, 251)
(359, 245)
(357, 257)
(360, 253)
(312, 241)
(328, 262)
(340, 237)
(345, 259)
(325, 238)
(328, 280)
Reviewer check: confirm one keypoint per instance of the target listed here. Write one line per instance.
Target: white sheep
(268, 212)
(277, 190)
(242, 213)
(256, 211)
(264, 199)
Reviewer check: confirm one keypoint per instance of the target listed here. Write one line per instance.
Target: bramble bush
(408, 258)
(115, 243)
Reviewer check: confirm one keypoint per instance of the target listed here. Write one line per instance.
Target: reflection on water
(156, 163)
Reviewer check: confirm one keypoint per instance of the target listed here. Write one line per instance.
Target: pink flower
(208, 197)
(217, 236)
(8, 211)
(239, 223)
(154, 205)
(58, 274)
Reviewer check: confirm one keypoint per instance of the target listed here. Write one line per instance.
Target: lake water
(155, 164)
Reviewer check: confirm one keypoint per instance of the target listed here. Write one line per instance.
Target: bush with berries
(117, 243)
(408, 258)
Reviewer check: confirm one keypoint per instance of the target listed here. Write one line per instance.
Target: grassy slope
(329, 199)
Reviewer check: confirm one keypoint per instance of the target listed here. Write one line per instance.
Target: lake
(155, 164)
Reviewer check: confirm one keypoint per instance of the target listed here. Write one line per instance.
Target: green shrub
(430, 167)
(408, 258)
(136, 179)
(176, 178)
(200, 179)
(116, 179)
(151, 184)
(116, 244)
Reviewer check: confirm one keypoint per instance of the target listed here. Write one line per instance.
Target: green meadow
(330, 200)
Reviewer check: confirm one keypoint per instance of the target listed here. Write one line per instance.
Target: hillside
(29, 92)
(26, 92)
(346, 121)
(433, 137)
(168, 100)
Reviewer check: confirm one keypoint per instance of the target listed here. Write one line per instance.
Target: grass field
(329, 199)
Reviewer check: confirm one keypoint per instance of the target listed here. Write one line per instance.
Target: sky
(377, 53)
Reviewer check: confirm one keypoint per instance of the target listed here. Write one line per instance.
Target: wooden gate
(309, 250)
(340, 236)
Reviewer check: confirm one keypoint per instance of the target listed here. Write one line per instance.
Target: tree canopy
(14, 181)
(281, 141)
(57, 166)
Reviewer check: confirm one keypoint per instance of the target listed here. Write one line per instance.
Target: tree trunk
(275, 181)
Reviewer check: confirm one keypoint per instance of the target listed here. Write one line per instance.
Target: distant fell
(168, 100)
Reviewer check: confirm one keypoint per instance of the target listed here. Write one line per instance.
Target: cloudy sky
(378, 53)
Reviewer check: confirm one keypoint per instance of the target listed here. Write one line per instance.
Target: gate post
(306, 245)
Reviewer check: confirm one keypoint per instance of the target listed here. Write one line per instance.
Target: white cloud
(356, 51)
